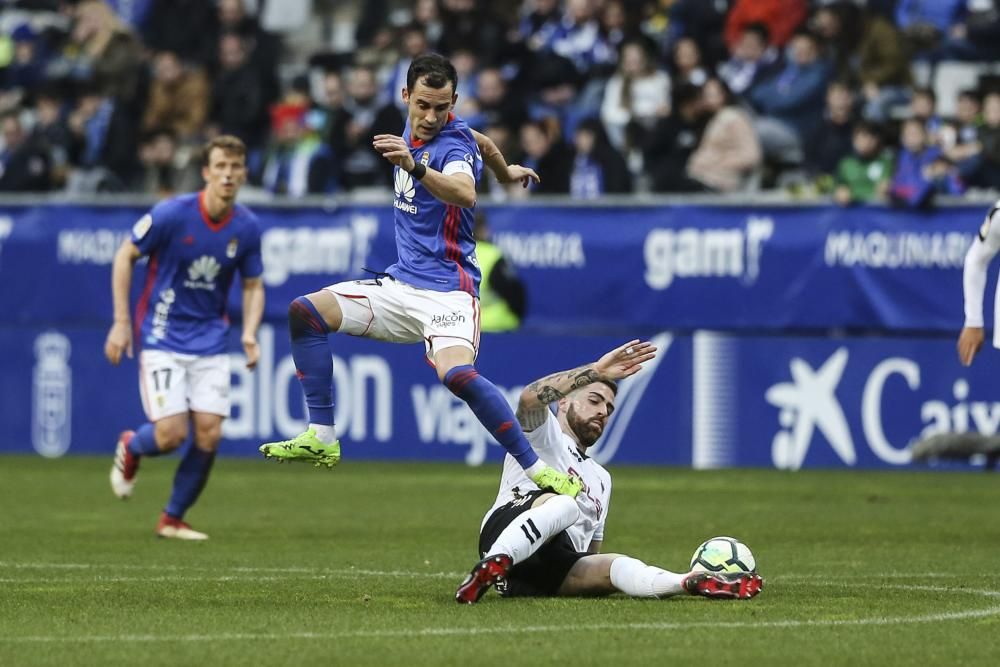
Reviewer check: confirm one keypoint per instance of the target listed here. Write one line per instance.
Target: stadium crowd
(823, 98)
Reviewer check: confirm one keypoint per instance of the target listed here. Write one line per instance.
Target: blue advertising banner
(709, 400)
(599, 269)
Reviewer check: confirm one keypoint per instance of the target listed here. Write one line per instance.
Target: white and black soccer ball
(723, 554)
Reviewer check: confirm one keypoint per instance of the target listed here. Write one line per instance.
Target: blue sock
(492, 411)
(313, 363)
(143, 443)
(189, 480)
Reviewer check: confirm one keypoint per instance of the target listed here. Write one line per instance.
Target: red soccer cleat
(723, 585)
(125, 466)
(486, 573)
(177, 529)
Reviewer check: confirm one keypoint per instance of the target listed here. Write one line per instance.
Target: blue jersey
(434, 240)
(192, 260)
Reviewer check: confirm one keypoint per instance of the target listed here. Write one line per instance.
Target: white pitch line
(540, 629)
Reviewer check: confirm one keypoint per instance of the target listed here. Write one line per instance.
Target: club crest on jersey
(231, 248)
(142, 225)
(425, 158)
(403, 186)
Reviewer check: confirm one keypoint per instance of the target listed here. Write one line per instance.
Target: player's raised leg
(149, 439)
(310, 320)
(455, 370)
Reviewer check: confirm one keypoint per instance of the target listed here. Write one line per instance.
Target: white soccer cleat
(124, 468)
(176, 529)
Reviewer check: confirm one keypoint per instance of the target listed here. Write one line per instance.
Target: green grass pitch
(358, 566)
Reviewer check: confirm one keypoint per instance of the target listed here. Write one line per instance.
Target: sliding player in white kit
(984, 248)
(536, 543)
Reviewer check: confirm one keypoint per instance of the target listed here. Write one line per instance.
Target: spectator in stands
(546, 153)
(977, 35)
(960, 139)
(103, 51)
(921, 169)
(472, 24)
(333, 117)
(704, 22)
(598, 169)
(989, 137)
(263, 48)
(238, 106)
(361, 165)
(539, 24)
(751, 60)
(685, 63)
(178, 99)
(427, 15)
(296, 162)
(672, 141)
(865, 175)
(868, 48)
(728, 157)
(637, 95)
(792, 100)
(782, 18)
(925, 24)
(613, 30)
(165, 172)
(923, 105)
(578, 37)
(24, 164)
(496, 106)
(52, 132)
(26, 69)
(833, 138)
(104, 143)
(186, 27)
(502, 301)
(414, 42)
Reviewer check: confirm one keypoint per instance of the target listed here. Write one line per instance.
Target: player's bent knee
(171, 434)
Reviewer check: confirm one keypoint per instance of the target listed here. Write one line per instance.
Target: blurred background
(780, 192)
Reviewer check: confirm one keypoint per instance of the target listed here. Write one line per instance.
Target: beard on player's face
(587, 428)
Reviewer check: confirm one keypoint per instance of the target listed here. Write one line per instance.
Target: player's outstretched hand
(395, 150)
(119, 340)
(626, 360)
(526, 175)
(969, 342)
(252, 350)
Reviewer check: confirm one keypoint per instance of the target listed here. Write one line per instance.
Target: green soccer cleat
(303, 447)
(560, 482)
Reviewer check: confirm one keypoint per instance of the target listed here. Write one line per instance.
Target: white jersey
(558, 450)
(977, 261)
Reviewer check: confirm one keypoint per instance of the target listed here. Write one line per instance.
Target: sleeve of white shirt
(547, 436)
(977, 261)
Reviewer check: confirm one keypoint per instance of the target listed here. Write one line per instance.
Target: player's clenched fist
(119, 340)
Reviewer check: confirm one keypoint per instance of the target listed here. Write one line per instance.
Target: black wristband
(418, 171)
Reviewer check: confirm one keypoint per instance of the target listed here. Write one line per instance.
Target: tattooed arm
(619, 363)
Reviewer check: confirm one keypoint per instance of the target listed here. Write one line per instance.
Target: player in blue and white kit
(535, 543)
(430, 294)
(195, 244)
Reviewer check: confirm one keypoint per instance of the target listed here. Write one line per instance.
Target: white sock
(633, 577)
(326, 433)
(528, 532)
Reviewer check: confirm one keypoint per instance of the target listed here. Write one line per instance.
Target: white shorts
(172, 383)
(390, 310)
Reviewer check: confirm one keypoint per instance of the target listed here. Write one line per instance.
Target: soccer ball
(723, 554)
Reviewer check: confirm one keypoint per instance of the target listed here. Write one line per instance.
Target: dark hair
(611, 385)
(684, 94)
(434, 70)
(970, 93)
(926, 92)
(227, 142)
(869, 128)
(759, 29)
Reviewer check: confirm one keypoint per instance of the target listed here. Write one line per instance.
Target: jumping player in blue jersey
(431, 294)
(195, 244)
